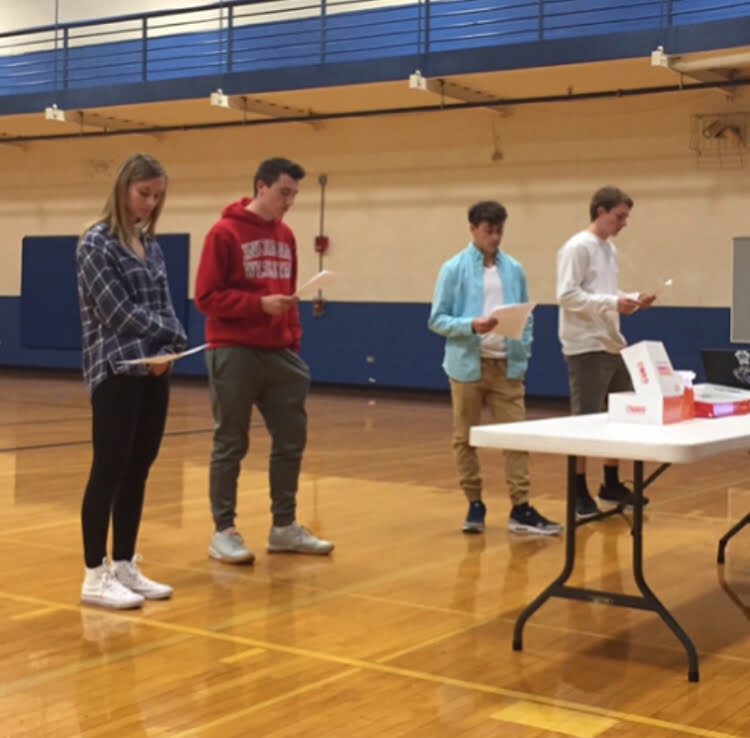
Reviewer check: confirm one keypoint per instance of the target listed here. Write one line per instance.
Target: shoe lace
(303, 534)
(299, 532)
(132, 569)
(531, 516)
(537, 517)
(110, 582)
(233, 533)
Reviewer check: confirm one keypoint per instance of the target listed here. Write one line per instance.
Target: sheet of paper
(315, 283)
(165, 358)
(511, 319)
(662, 286)
(656, 292)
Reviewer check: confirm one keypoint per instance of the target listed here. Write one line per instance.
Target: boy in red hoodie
(245, 287)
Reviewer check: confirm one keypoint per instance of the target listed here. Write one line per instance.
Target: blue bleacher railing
(245, 36)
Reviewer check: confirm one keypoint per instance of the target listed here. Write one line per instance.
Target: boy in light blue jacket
(484, 367)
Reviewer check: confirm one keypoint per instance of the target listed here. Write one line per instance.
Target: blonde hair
(136, 168)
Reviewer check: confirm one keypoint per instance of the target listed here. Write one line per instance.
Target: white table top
(596, 435)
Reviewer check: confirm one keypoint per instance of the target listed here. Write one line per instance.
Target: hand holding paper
(666, 283)
(164, 358)
(483, 325)
(645, 299)
(511, 319)
(314, 283)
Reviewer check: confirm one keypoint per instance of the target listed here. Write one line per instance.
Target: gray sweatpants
(277, 382)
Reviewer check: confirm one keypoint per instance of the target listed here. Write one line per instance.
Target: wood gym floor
(403, 632)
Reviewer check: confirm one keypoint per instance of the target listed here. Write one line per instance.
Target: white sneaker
(100, 587)
(296, 539)
(129, 575)
(228, 546)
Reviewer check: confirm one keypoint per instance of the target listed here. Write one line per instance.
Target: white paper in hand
(164, 358)
(666, 283)
(636, 295)
(315, 283)
(511, 319)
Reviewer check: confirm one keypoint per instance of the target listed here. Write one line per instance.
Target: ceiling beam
(718, 68)
(257, 106)
(84, 119)
(444, 88)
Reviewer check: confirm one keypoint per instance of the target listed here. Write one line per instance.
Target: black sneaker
(585, 505)
(474, 522)
(525, 519)
(619, 496)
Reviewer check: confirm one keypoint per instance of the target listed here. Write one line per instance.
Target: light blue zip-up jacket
(459, 298)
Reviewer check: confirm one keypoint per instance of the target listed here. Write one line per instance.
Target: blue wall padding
(404, 353)
(12, 351)
(367, 344)
(49, 302)
(176, 249)
(370, 343)
(49, 307)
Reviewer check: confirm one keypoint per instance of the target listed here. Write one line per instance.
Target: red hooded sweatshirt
(244, 258)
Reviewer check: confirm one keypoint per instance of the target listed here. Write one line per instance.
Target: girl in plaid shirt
(126, 313)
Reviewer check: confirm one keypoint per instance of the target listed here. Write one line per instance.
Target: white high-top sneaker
(100, 587)
(129, 575)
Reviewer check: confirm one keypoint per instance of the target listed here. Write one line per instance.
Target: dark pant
(276, 382)
(129, 414)
(592, 376)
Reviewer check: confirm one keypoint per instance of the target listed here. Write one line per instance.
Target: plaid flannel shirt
(126, 310)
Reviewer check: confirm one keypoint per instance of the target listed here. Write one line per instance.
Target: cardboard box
(651, 370)
(719, 401)
(651, 409)
(662, 395)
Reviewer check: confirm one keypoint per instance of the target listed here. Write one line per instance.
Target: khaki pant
(505, 399)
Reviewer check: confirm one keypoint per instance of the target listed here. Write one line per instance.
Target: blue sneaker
(474, 522)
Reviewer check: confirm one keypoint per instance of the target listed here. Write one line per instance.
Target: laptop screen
(730, 367)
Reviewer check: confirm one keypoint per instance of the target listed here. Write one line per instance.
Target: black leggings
(129, 414)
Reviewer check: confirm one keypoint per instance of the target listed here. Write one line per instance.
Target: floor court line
(238, 714)
(87, 442)
(356, 664)
(31, 614)
(248, 654)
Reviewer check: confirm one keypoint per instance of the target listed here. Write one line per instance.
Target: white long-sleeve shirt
(587, 277)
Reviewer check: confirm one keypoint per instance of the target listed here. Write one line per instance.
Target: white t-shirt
(492, 345)
(587, 277)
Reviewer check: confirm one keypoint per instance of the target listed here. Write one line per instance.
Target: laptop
(730, 367)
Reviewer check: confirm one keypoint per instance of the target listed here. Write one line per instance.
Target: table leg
(732, 531)
(570, 555)
(647, 599)
(651, 601)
